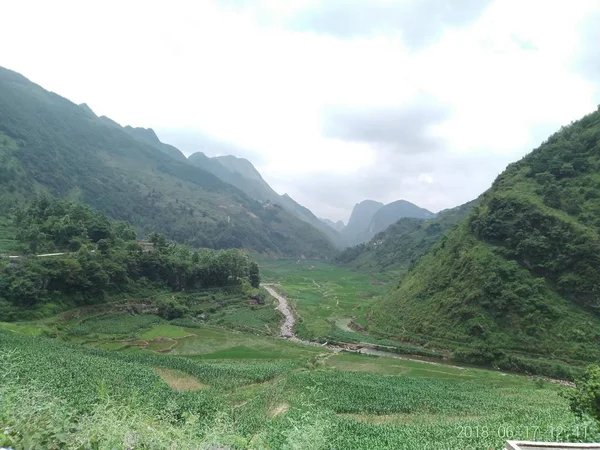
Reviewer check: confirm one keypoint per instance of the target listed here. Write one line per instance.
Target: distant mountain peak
(146, 134)
(240, 165)
(87, 109)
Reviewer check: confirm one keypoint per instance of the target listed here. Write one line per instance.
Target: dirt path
(362, 348)
(282, 305)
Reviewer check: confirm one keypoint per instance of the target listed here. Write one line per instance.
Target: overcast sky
(334, 101)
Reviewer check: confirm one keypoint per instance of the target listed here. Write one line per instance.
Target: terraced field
(121, 380)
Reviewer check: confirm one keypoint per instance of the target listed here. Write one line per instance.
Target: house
(146, 246)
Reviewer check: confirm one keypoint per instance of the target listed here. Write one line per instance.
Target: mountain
(402, 243)
(337, 226)
(51, 145)
(241, 173)
(370, 217)
(392, 212)
(359, 221)
(149, 136)
(520, 275)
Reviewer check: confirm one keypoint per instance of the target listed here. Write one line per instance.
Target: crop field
(117, 379)
(324, 296)
(291, 400)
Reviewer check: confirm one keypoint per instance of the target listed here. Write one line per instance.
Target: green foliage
(585, 399)
(51, 145)
(115, 399)
(403, 243)
(115, 324)
(98, 261)
(519, 278)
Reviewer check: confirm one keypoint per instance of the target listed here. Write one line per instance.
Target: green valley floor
(110, 378)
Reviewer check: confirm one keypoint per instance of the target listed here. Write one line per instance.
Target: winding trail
(287, 328)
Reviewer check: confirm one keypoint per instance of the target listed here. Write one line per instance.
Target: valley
(150, 299)
(216, 383)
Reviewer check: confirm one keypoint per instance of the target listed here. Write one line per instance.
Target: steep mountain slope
(149, 136)
(392, 212)
(369, 218)
(403, 243)
(337, 226)
(521, 274)
(241, 173)
(48, 144)
(359, 221)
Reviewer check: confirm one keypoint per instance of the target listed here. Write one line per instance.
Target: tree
(254, 274)
(585, 399)
(158, 239)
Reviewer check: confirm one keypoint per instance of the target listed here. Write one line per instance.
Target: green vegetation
(48, 144)
(585, 400)
(8, 242)
(402, 244)
(516, 284)
(369, 218)
(322, 294)
(295, 400)
(240, 173)
(103, 258)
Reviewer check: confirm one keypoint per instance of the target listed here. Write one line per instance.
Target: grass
(165, 331)
(180, 381)
(194, 403)
(215, 343)
(322, 293)
(240, 389)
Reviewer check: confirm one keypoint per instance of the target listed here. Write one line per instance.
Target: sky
(333, 101)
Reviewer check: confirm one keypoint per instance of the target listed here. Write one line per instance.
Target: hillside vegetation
(56, 394)
(403, 243)
(102, 258)
(240, 173)
(520, 274)
(48, 144)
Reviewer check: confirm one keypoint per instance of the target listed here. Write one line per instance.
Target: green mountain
(370, 217)
(400, 245)
(48, 144)
(359, 221)
(521, 274)
(392, 212)
(149, 136)
(241, 173)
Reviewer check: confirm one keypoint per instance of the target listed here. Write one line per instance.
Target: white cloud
(243, 76)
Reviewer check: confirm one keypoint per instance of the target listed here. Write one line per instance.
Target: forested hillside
(403, 243)
(240, 173)
(521, 273)
(100, 257)
(48, 144)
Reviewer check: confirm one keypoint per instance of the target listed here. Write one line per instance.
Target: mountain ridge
(520, 273)
(402, 244)
(50, 145)
(241, 173)
(370, 217)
